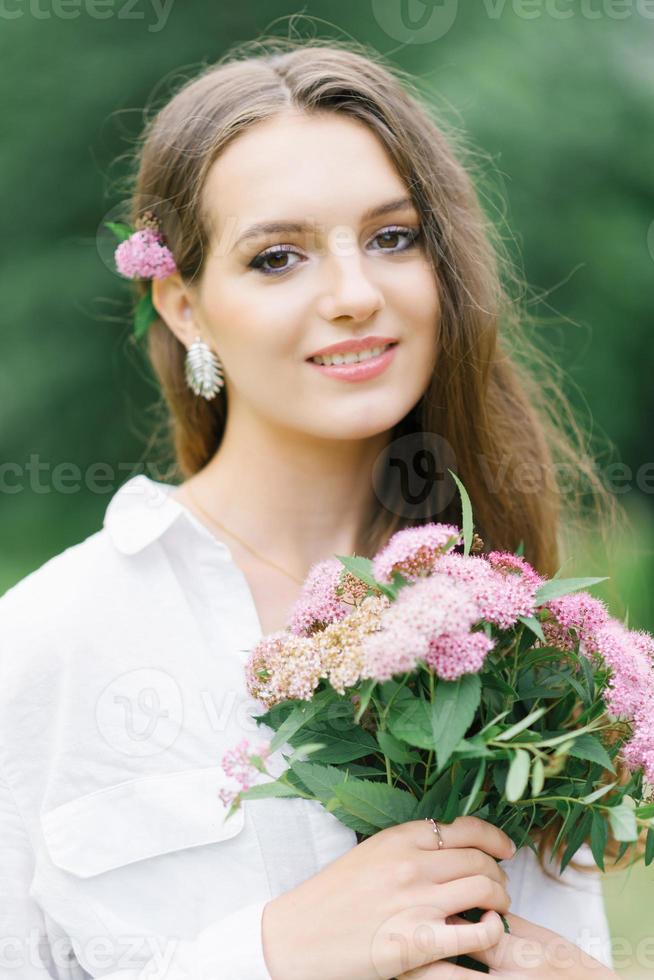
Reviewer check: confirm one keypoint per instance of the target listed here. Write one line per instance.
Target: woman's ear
(172, 301)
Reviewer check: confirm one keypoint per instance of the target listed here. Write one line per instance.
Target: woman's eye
(276, 255)
(273, 255)
(410, 235)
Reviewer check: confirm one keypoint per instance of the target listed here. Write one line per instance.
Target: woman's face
(268, 300)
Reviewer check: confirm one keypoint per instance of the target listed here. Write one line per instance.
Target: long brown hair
(495, 398)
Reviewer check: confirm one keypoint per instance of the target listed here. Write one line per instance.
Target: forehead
(326, 167)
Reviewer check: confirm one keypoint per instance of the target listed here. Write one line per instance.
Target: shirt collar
(141, 511)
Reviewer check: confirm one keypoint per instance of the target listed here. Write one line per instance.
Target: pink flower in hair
(144, 256)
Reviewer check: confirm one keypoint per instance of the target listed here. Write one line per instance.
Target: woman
(308, 200)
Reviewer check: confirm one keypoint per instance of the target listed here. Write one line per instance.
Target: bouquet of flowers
(433, 680)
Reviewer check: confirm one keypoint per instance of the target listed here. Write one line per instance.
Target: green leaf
(597, 794)
(589, 677)
(361, 568)
(599, 835)
(518, 775)
(563, 586)
(569, 678)
(301, 715)
(534, 625)
(120, 230)
(649, 847)
(466, 513)
(356, 770)
(473, 748)
(564, 747)
(435, 799)
(623, 821)
(476, 786)
(408, 720)
(394, 749)
(520, 725)
(452, 806)
(571, 814)
(493, 682)
(341, 744)
(144, 314)
(576, 838)
(319, 780)
(588, 746)
(537, 776)
(452, 712)
(378, 804)
(365, 693)
(262, 791)
(302, 751)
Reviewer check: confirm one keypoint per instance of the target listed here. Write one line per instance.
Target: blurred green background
(557, 97)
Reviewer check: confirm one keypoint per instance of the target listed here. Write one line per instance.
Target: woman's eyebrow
(274, 227)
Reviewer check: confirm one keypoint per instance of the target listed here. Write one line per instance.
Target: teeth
(351, 357)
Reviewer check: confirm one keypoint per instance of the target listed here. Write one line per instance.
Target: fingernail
(513, 847)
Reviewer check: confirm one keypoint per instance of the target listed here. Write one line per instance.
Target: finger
(462, 937)
(493, 956)
(512, 949)
(461, 862)
(469, 937)
(476, 891)
(464, 832)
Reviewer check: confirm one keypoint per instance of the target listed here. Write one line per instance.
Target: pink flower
(237, 763)
(508, 563)
(283, 666)
(630, 689)
(431, 621)
(144, 256)
(502, 597)
(413, 551)
(578, 611)
(638, 753)
(628, 655)
(318, 603)
(453, 654)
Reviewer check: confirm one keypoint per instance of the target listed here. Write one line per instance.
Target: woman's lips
(359, 370)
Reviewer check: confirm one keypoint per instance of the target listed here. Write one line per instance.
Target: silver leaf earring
(203, 369)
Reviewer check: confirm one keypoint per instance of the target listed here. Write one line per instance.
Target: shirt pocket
(128, 867)
(138, 819)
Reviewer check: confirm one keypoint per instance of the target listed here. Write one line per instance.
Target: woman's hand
(528, 952)
(381, 908)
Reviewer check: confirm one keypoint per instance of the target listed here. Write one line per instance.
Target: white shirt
(121, 685)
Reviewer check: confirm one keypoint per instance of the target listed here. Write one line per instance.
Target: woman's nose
(351, 290)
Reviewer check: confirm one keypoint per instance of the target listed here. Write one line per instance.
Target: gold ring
(437, 831)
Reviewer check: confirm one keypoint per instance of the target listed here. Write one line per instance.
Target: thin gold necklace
(257, 554)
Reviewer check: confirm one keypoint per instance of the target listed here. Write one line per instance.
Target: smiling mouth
(334, 360)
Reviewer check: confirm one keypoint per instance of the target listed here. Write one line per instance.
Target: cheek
(418, 302)
(250, 321)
